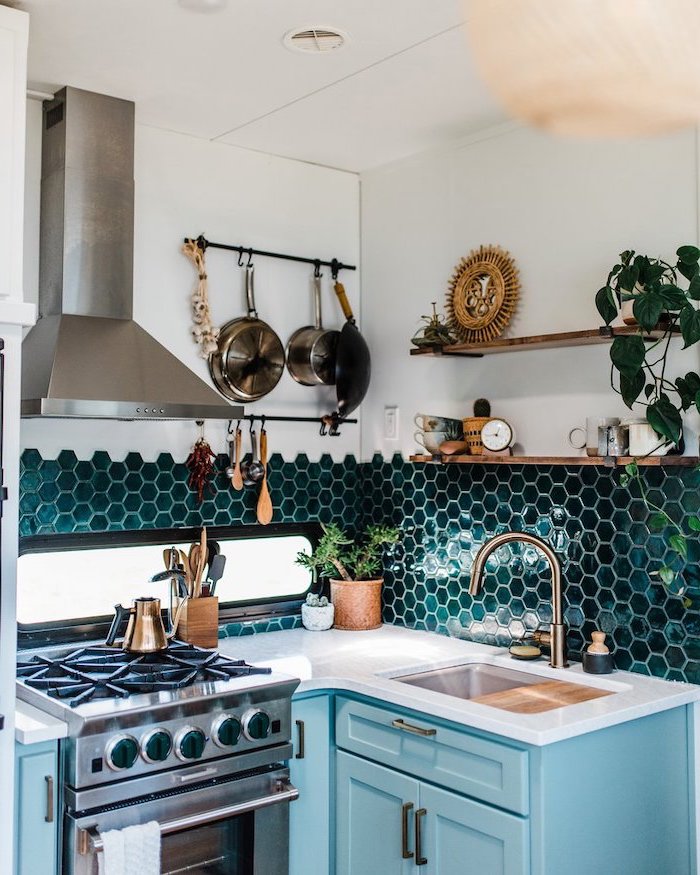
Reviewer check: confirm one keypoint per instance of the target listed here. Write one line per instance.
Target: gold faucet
(555, 639)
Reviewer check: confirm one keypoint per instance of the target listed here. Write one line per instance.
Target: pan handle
(317, 301)
(344, 303)
(250, 291)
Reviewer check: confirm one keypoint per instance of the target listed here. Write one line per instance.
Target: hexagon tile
(446, 512)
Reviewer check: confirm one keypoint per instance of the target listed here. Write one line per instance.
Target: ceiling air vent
(315, 40)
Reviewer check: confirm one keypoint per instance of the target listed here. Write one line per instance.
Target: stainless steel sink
(470, 681)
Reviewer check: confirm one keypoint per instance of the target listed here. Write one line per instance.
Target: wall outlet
(391, 423)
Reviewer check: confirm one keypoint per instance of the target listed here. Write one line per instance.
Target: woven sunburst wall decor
(483, 294)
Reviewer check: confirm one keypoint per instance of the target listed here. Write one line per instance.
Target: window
(67, 585)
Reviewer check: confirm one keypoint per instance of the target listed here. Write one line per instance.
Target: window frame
(30, 635)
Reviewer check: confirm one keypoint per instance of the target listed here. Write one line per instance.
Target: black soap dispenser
(597, 658)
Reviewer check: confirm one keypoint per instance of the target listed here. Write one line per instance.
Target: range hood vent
(86, 357)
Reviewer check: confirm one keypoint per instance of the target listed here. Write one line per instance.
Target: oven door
(236, 827)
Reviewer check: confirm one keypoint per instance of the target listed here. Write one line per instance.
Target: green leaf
(690, 325)
(688, 254)
(687, 270)
(627, 354)
(649, 390)
(673, 297)
(654, 272)
(665, 419)
(688, 387)
(605, 304)
(647, 309)
(668, 575)
(694, 287)
(697, 404)
(628, 277)
(625, 479)
(658, 522)
(679, 544)
(630, 388)
(694, 523)
(632, 468)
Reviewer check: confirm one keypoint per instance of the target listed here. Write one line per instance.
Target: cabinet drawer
(464, 763)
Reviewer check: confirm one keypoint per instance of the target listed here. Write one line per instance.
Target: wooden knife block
(199, 622)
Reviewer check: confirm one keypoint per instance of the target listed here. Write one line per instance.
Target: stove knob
(226, 731)
(121, 752)
(190, 742)
(156, 746)
(256, 725)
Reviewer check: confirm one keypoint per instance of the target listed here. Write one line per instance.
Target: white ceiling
(404, 82)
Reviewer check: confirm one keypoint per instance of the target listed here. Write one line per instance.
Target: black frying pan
(352, 364)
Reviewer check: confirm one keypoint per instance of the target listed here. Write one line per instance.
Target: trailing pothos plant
(671, 574)
(663, 297)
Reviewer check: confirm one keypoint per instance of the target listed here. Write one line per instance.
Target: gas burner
(106, 673)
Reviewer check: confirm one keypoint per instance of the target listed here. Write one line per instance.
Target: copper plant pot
(358, 604)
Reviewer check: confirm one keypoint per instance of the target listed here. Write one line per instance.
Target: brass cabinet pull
(420, 859)
(406, 809)
(49, 798)
(416, 730)
(300, 731)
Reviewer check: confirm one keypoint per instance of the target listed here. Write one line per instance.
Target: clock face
(496, 435)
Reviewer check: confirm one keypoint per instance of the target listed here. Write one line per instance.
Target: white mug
(644, 441)
(430, 440)
(589, 434)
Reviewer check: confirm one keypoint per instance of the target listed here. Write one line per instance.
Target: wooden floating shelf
(600, 461)
(589, 337)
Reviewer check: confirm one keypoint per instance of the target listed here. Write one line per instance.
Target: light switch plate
(391, 423)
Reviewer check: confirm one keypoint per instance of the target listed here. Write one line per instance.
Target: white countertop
(364, 663)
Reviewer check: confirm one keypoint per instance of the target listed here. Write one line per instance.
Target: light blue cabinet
(36, 809)
(310, 770)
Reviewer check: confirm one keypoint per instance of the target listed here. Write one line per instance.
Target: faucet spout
(558, 629)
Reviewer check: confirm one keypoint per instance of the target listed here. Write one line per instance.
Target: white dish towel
(135, 849)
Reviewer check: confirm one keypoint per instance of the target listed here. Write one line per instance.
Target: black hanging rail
(335, 265)
(329, 424)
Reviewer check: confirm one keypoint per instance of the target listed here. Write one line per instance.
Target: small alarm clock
(497, 436)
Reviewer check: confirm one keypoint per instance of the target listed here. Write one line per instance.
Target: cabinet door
(310, 814)
(457, 834)
(36, 834)
(374, 819)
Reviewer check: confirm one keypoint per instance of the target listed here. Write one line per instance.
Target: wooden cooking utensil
(264, 500)
(237, 477)
(202, 564)
(184, 559)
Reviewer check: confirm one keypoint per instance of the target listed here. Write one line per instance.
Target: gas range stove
(130, 715)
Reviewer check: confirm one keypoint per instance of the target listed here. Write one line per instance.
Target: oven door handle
(89, 841)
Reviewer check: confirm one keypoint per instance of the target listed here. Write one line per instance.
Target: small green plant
(671, 574)
(315, 601)
(640, 361)
(359, 559)
(482, 408)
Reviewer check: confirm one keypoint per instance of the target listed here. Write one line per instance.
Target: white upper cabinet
(14, 29)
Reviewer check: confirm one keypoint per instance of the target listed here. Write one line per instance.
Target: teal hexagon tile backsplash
(598, 528)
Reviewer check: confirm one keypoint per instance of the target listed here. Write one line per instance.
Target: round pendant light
(610, 68)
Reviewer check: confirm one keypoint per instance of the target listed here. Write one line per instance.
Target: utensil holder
(199, 623)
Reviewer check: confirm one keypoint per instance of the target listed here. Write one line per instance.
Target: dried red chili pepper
(200, 464)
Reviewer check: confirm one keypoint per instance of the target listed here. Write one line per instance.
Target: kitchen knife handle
(420, 859)
(301, 734)
(49, 799)
(406, 809)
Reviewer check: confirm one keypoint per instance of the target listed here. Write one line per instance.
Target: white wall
(564, 210)
(186, 186)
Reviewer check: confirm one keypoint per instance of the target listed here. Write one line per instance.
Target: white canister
(644, 441)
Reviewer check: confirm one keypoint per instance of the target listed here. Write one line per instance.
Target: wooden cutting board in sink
(535, 698)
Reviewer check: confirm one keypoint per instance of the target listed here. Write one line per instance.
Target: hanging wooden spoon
(237, 478)
(264, 500)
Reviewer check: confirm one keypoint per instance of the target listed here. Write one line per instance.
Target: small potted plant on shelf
(317, 613)
(356, 591)
(660, 305)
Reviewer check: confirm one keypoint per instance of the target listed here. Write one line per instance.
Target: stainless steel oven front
(213, 820)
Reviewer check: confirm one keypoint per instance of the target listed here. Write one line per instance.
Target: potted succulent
(317, 613)
(356, 591)
(639, 360)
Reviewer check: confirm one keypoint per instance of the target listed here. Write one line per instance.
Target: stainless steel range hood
(86, 357)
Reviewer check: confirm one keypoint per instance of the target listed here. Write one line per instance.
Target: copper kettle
(145, 631)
